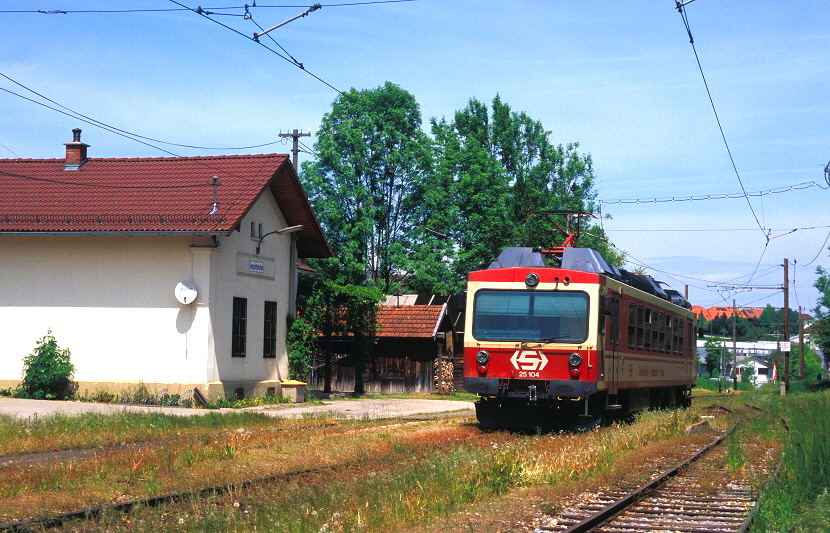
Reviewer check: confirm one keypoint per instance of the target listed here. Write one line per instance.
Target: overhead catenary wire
(160, 10)
(202, 13)
(682, 10)
(823, 248)
(721, 196)
(250, 17)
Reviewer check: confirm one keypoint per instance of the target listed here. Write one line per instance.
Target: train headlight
(482, 358)
(574, 361)
(532, 279)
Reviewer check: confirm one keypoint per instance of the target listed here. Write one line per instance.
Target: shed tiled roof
(134, 195)
(417, 321)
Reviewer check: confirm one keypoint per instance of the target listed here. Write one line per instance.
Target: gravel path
(359, 409)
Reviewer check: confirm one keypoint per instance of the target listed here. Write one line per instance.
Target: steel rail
(751, 516)
(39, 524)
(618, 506)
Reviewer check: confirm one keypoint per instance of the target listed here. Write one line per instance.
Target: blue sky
(620, 78)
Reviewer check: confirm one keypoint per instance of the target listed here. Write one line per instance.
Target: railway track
(704, 494)
(41, 524)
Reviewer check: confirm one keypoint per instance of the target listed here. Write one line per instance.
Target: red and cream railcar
(550, 346)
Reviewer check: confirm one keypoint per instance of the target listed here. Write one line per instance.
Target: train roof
(586, 260)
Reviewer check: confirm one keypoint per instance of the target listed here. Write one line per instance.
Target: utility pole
(800, 343)
(296, 134)
(734, 347)
(786, 323)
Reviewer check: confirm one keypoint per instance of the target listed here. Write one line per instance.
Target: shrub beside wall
(47, 371)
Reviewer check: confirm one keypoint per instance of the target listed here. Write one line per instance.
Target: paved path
(356, 409)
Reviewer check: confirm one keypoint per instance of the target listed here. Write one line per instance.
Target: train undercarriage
(525, 408)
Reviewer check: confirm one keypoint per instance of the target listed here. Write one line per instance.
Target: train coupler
(531, 393)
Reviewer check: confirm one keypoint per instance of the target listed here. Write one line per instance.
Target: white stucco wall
(275, 251)
(110, 300)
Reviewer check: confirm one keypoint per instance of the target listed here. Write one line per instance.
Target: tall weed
(805, 477)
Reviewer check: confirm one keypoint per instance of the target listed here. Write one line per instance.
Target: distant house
(176, 272)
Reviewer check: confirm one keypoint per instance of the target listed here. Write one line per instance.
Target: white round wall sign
(185, 292)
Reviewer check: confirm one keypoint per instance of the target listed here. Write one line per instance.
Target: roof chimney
(75, 151)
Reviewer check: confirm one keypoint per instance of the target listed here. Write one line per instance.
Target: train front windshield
(530, 315)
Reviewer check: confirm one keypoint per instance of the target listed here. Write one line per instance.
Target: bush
(300, 339)
(47, 371)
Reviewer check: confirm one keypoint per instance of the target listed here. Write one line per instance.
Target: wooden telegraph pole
(295, 135)
(800, 343)
(786, 324)
(734, 347)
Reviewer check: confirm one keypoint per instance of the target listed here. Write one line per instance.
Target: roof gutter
(122, 233)
(438, 322)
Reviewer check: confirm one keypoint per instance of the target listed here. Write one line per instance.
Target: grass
(406, 474)
(62, 432)
(705, 384)
(798, 501)
(441, 475)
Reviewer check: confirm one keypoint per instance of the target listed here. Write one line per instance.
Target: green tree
(410, 214)
(820, 331)
(345, 312)
(47, 371)
(371, 154)
(748, 372)
(714, 353)
(812, 362)
(300, 340)
(505, 174)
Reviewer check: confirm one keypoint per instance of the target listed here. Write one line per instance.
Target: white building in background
(93, 250)
(754, 354)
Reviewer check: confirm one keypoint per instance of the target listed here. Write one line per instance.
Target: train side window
(647, 331)
(681, 344)
(640, 326)
(632, 323)
(615, 320)
(655, 329)
(690, 349)
(660, 343)
(667, 340)
(674, 341)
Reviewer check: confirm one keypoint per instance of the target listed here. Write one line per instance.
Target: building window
(240, 319)
(269, 346)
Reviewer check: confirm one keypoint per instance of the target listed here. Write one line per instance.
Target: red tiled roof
(408, 320)
(172, 194)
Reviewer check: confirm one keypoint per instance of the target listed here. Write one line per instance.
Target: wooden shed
(415, 334)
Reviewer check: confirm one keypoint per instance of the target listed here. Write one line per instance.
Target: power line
(10, 150)
(733, 196)
(104, 125)
(103, 186)
(788, 231)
